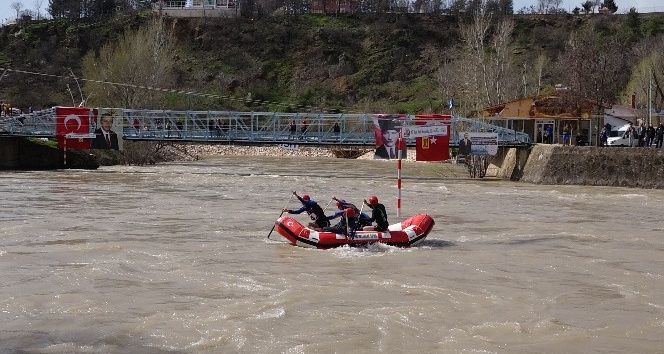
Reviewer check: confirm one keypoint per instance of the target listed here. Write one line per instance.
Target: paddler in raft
(378, 214)
(314, 211)
(347, 225)
(363, 219)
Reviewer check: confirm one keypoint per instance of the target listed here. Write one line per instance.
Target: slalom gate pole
(65, 151)
(399, 155)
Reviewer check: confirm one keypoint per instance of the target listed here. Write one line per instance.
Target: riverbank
(541, 164)
(188, 152)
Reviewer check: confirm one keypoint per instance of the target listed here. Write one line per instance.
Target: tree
(132, 72)
(593, 70)
(587, 6)
(484, 63)
(65, 8)
(17, 6)
(647, 75)
(611, 5)
(499, 7)
(38, 5)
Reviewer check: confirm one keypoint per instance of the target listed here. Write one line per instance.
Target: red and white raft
(407, 233)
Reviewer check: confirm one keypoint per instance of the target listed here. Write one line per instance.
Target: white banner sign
(417, 131)
(483, 144)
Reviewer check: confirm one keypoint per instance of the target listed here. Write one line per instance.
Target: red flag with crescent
(73, 122)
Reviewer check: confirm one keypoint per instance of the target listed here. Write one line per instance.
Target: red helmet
(306, 197)
(349, 212)
(373, 200)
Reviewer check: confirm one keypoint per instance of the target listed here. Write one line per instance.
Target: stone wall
(18, 153)
(597, 166)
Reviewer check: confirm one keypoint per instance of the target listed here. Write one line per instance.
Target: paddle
(328, 204)
(282, 213)
(359, 217)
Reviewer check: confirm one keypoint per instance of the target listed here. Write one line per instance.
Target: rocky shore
(188, 152)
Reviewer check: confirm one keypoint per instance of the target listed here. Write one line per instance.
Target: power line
(167, 90)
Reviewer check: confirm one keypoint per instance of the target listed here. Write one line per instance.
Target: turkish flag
(433, 148)
(74, 120)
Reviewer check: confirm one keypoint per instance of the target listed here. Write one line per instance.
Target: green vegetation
(406, 63)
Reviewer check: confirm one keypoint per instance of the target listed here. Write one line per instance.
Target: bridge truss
(247, 127)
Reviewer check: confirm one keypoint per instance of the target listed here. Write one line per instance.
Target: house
(333, 6)
(533, 115)
(198, 8)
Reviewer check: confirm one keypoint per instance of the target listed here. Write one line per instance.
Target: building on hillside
(533, 115)
(333, 7)
(198, 8)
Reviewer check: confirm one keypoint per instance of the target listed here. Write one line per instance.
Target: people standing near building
(659, 135)
(603, 137)
(579, 139)
(566, 134)
(650, 135)
(641, 129)
(549, 134)
(631, 133)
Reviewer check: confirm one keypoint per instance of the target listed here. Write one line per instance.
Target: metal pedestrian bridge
(246, 127)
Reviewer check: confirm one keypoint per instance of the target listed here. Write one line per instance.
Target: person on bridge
(314, 211)
(378, 215)
(292, 128)
(105, 138)
(303, 128)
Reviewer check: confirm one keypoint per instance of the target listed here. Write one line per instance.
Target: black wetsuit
(379, 215)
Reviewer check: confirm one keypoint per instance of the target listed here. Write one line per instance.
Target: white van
(618, 136)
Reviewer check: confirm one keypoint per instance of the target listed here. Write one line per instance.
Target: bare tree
(485, 71)
(132, 72)
(593, 71)
(647, 75)
(17, 6)
(38, 5)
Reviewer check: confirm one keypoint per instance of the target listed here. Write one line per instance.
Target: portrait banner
(387, 129)
(106, 128)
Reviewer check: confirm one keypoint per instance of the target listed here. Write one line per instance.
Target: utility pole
(650, 98)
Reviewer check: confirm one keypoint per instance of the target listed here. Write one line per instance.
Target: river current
(175, 258)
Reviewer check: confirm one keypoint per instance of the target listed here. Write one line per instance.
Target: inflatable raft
(407, 233)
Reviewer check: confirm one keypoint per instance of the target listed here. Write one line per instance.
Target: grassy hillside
(388, 63)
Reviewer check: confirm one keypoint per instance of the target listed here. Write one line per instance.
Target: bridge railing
(248, 126)
(234, 126)
(39, 123)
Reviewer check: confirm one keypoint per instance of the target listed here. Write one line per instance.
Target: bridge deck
(246, 127)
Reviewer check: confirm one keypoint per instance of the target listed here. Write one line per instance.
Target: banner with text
(432, 141)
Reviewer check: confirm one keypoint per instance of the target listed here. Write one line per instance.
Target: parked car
(618, 136)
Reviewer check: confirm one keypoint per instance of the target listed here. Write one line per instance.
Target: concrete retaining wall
(598, 166)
